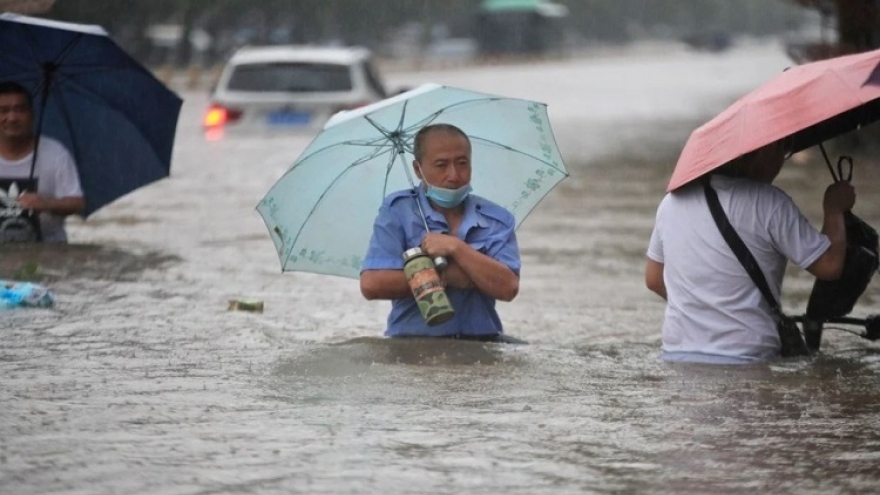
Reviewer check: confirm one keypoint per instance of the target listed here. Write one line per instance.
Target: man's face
(446, 160)
(16, 118)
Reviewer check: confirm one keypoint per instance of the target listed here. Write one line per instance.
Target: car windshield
(291, 77)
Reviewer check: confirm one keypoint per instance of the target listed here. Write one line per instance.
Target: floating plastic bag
(24, 295)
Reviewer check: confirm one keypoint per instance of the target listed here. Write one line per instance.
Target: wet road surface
(140, 380)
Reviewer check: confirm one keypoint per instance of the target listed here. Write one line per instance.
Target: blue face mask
(447, 198)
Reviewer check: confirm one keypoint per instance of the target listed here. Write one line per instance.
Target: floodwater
(140, 380)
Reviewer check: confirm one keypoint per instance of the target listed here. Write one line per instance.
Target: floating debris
(252, 305)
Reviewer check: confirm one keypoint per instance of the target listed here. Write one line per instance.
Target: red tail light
(218, 115)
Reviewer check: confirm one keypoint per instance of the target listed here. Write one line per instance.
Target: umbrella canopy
(320, 213)
(112, 114)
(808, 103)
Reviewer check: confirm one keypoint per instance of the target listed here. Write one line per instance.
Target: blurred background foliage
(205, 31)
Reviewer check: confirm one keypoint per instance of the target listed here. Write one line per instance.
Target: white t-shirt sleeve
(794, 235)
(655, 245)
(66, 176)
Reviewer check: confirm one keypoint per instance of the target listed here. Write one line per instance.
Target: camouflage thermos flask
(426, 286)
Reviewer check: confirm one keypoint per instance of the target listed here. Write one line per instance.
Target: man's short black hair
(419, 140)
(12, 87)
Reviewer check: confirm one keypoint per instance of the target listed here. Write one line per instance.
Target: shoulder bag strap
(739, 247)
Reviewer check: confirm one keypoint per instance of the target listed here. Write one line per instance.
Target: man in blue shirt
(475, 235)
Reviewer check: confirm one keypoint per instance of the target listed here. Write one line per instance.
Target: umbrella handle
(828, 162)
(847, 160)
(440, 262)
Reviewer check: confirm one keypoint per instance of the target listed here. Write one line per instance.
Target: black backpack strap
(739, 248)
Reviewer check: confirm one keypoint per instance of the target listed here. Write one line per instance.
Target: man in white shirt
(715, 313)
(58, 193)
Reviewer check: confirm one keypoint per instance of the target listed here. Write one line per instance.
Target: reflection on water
(606, 418)
(141, 381)
(424, 351)
(796, 427)
(59, 262)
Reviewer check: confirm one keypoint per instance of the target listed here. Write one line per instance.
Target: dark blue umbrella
(113, 115)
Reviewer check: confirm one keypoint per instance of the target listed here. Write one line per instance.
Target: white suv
(291, 87)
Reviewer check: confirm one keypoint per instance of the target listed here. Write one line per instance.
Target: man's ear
(417, 169)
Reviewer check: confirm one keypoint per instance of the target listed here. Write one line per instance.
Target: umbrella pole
(413, 185)
(48, 71)
(828, 162)
(439, 261)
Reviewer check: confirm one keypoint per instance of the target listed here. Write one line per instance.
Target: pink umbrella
(808, 103)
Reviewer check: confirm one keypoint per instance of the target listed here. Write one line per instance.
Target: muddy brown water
(140, 380)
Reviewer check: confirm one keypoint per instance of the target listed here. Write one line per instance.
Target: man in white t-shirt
(58, 193)
(715, 313)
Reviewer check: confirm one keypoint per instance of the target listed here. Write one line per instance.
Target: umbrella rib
(411, 130)
(378, 144)
(28, 70)
(376, 152)
(65, 114)
(400, 136)
(72, 83)
(432, 117)
(324, 195)
(78, 70)
(397, 137)
(469, 102)
(402, 117)
(68, 68)
(386, 134)
(520, 152)
(61, 54)
(62, 103)
(30, 35)
(19, 61)
(388, 168)
(67, 49)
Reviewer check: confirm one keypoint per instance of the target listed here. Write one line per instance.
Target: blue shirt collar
(473, 217)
